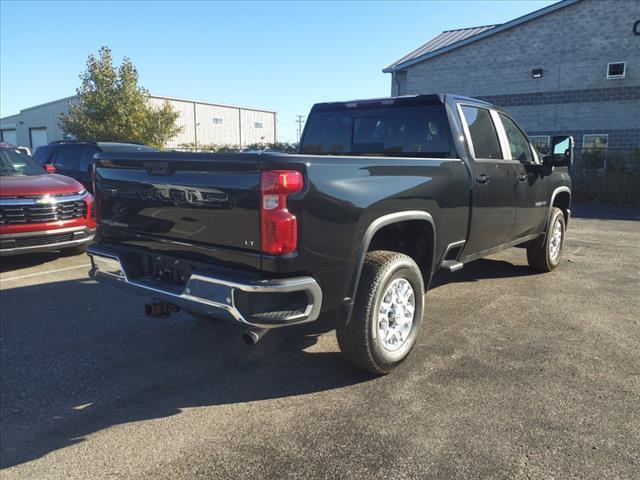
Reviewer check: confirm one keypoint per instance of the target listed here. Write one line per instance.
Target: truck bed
(205, 207)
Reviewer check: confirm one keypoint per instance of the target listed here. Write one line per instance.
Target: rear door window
(66, 158)
(484, 137)
(42, 154)
(86, 158)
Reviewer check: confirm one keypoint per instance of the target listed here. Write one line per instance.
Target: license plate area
(166, 270)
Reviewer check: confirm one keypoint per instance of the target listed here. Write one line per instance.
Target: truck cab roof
(405, 100)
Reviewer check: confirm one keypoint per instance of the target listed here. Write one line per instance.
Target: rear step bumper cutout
(213, 296)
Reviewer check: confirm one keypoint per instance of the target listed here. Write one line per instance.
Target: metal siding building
(35, 126)
(550, 69)
(203, 123)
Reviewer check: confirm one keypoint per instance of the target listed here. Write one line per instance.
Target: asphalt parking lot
(516, 375)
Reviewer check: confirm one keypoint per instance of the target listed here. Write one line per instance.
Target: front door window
(518, 143)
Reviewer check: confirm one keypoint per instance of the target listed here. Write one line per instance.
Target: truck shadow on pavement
(78, 358)
(484, 268)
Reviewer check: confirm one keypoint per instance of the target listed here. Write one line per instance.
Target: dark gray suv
(75, 159)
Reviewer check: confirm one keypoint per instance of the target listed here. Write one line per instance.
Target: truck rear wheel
(387, 314)
(546, 256)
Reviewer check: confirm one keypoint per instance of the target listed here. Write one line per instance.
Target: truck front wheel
(546, 256)
(387, 314)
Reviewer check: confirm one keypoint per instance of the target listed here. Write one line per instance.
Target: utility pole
(195, 126)
(300, 122)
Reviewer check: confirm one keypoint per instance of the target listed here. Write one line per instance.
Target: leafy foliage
(611, 177)
(274, 146)
(112, 107)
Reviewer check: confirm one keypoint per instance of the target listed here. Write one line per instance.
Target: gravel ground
(515, 375)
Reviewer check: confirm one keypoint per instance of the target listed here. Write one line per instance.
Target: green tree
(112, 107)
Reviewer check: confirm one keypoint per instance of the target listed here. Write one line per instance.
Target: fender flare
(553, 197)
(363, 246)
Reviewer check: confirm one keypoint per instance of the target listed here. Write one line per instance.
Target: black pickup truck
(382, 194)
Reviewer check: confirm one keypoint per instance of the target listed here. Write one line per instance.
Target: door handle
(482, 178)
(522, 177)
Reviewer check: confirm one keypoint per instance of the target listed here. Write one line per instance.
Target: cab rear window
(41, 155)
(391, 131)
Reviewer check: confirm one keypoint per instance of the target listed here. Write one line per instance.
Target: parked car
(382, 195)
(75, 159)
(39, 210)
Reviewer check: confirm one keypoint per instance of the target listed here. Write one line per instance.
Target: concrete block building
(203, 123)
(570, 68)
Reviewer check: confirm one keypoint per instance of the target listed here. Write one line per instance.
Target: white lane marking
(20, 277)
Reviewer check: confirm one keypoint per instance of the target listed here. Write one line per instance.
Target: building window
(595, 142)
(616, 70)
(594, 149)
(217, 121)
(541, 143)
(258, 124)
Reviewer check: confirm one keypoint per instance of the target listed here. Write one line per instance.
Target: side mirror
(49, 168)
(561, 152)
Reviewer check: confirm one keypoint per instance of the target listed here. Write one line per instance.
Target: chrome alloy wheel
(556, 242)
(396, 313)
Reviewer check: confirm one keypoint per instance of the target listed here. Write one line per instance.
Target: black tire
(358, 338)
(77, 250)
(539, 254)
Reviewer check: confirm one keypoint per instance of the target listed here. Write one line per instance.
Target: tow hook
(160, 309)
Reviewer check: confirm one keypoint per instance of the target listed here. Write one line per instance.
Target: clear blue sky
(283, 56)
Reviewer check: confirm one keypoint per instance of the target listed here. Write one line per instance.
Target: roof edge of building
(491, 25)
(215, 104)
(39, 106)
(7, 119)
(497, 29)
(150, 95)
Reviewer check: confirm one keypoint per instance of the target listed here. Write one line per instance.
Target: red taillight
(279, 226)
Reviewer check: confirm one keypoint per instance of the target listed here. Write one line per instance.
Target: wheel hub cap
(395, 316)
(556, 242)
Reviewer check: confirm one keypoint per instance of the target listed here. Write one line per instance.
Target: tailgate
(210, 200)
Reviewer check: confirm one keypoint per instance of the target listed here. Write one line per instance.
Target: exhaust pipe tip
(251, 336)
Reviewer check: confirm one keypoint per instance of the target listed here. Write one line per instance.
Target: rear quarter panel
(344, 195)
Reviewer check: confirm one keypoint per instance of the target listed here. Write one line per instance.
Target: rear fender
(363, 248)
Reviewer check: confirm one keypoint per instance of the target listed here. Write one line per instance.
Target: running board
(451, 265)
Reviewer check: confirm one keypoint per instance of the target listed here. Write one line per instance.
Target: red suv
(39, 210)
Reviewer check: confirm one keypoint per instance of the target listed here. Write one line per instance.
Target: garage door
(9, 136)
(38, 137)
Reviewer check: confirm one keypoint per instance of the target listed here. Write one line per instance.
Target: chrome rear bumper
(213, 296)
